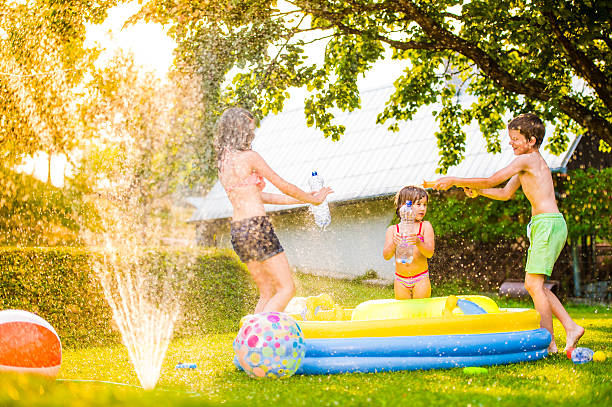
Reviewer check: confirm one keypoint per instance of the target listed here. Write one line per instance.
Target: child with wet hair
(547, 230)
(242, 172)
(412, 280)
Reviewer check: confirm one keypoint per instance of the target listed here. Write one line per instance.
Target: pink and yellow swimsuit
(410, 281)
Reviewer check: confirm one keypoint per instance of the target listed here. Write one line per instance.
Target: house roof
(368, 161)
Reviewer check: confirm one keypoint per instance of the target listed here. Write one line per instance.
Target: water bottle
(580, 355)
(320, 212)
(403, 251)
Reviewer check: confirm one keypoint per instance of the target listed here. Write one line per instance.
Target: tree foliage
(129, 164)
(42, 62)
(478, 60)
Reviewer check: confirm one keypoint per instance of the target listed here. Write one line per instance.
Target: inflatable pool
(431, 333)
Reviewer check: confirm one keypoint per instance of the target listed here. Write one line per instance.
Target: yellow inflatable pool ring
(428, 316)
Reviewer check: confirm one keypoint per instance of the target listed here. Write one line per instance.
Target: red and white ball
(28, 344)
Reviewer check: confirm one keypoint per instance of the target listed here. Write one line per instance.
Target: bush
(585, 202)
(59, 285)
(220, 293)
(33, 213)
(56, 284)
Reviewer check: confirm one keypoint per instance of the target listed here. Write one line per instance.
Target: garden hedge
(59, 285)
(35, 213)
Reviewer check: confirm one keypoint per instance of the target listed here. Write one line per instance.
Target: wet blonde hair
(234, 132)
(409, 193)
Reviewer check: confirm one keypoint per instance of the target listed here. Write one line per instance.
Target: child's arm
(278, 199)
(515, 167)
(500, 194)
(428, 245)
(263, 169)
(390, 243)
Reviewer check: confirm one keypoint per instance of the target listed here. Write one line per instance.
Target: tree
(135, 125)
(552, 57)
(42, 62)
(33, 213)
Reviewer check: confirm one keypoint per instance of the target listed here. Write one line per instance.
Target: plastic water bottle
(403, 251)
(581, 355)
(320, 212)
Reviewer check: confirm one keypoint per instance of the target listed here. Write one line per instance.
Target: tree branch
(488, 65)
(581, 63)
(491, 68)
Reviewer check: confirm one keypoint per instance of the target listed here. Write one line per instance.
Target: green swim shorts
(547, 233)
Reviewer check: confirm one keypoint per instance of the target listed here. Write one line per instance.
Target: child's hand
(428, 184)
(407, 239)
(397, 238)
(471, 193)
(320, 195)
(411, 239)
(444, 183)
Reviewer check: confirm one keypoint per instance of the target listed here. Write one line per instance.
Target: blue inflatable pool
(384, 354)
(432, 333)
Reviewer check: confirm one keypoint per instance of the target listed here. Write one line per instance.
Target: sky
(151, 46)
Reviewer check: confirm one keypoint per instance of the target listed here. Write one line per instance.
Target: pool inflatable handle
(469, 307)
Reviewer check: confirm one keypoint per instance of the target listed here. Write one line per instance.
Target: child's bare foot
(552, 348)
(572, 337)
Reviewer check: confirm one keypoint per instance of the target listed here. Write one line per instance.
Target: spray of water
(145, 308)
(132, 172)
(143, 282)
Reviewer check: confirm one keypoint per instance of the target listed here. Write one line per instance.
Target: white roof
(369, 160)
(195, 201)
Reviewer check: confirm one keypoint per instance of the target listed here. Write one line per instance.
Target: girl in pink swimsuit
(412, 280)
(242, 172)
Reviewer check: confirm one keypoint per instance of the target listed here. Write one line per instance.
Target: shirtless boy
(547, 230)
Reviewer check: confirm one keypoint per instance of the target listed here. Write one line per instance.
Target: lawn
(105, 377)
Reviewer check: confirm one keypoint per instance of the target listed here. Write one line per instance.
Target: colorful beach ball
(269, 344)
(28, 344)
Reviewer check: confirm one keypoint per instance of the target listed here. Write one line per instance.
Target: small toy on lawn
(186, 366)
(475, 370)
(269, 344)
(599, 356)
(580, 355)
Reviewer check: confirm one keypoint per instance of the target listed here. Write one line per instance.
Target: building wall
(350, 246)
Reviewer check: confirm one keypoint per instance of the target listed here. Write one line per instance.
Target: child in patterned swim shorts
(412, 280)
(242, 172)
(547, 230)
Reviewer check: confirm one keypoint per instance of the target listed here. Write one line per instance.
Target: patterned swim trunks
(254, 239)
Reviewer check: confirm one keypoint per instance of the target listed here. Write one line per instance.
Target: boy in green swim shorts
(547, 233)
(547, 230)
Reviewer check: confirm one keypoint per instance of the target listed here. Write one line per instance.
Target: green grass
(552, 381)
